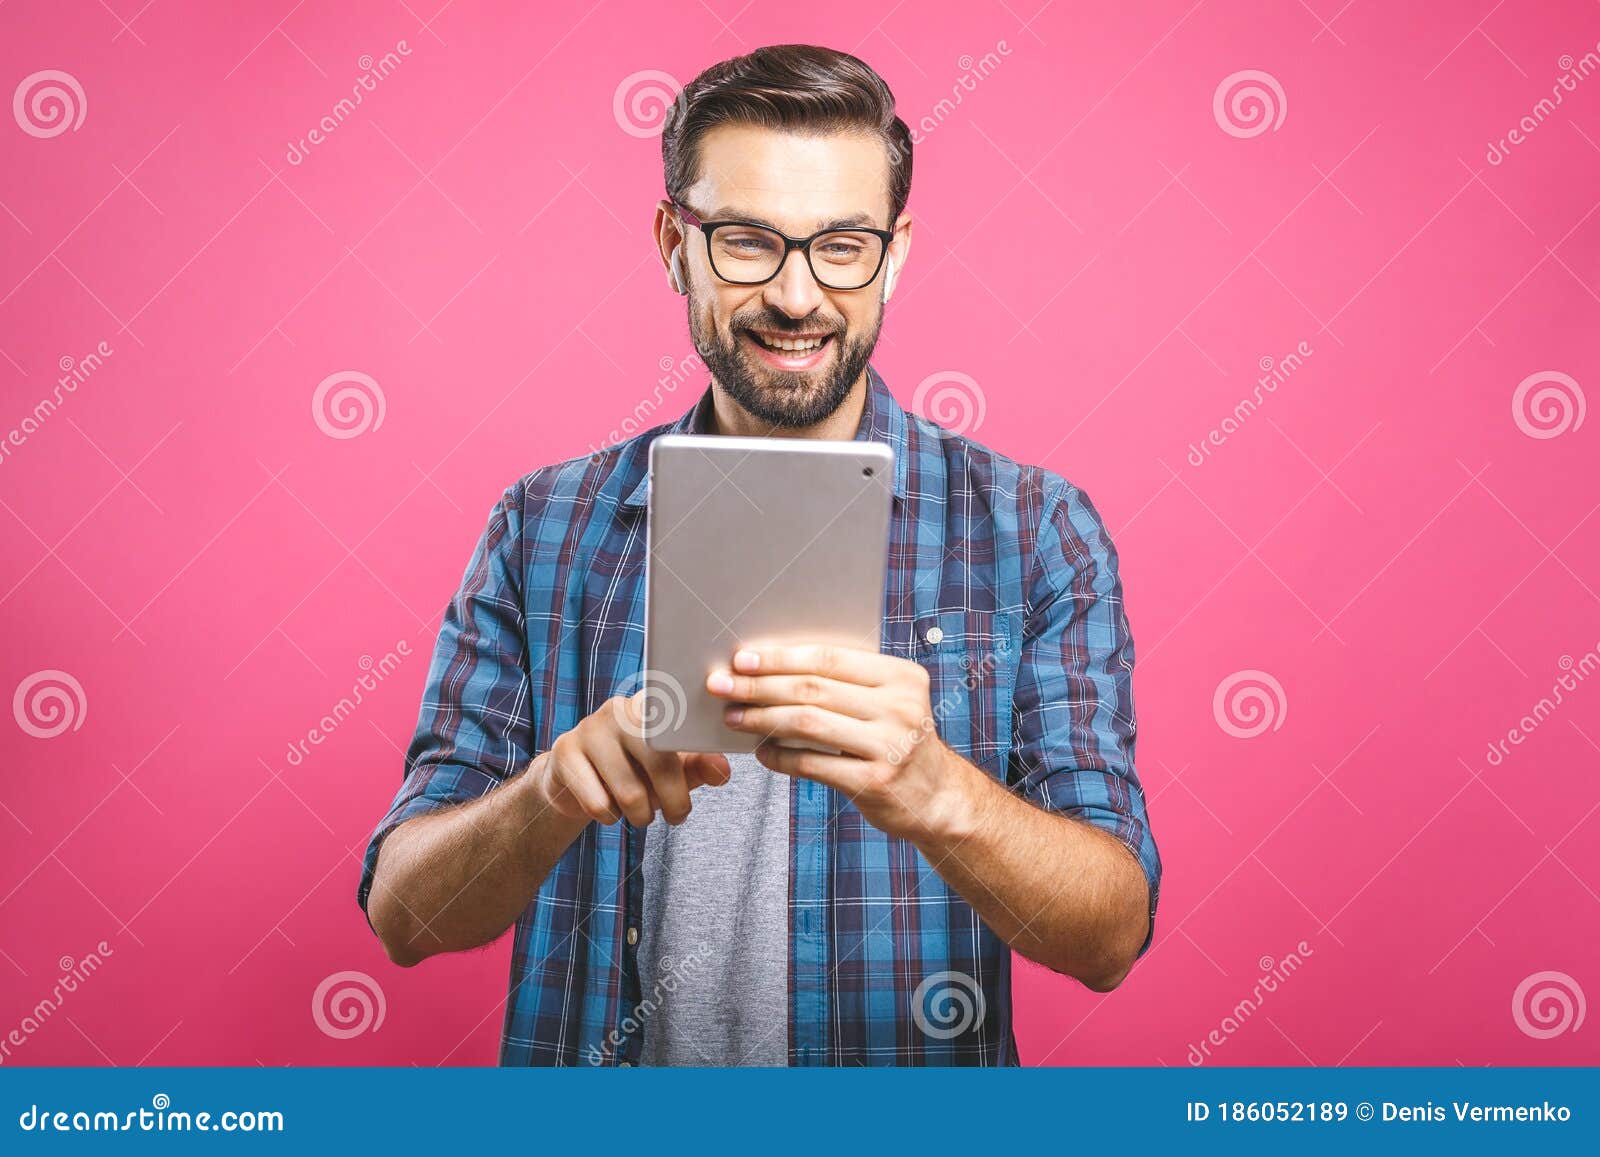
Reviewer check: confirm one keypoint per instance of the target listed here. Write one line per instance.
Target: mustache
(780, 324)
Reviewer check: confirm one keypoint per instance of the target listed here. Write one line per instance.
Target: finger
(847, 664)
(831, 694)
(843, 773)
(575, 777)
(669, 786)
(816, 724)
(623, 780)
(706, 769)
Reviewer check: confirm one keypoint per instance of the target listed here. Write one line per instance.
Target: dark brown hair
(797, 87)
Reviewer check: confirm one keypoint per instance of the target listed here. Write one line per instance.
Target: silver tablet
(755, 540)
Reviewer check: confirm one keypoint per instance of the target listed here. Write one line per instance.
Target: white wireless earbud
(679, 282)
(888, 277)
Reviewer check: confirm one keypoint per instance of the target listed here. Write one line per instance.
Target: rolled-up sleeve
(1072, 713)
(473, 730)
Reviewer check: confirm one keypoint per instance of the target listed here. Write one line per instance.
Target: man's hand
(603, 770)
(873, 709)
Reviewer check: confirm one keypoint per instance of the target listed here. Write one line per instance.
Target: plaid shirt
(1031, 680)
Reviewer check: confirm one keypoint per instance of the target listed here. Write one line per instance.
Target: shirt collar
(882, 420)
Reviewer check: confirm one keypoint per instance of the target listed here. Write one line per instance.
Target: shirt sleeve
(1072, 714)
(474, 728)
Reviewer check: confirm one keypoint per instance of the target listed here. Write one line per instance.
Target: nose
(794, 290)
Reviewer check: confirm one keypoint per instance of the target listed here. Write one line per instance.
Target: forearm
(1060, 891)
(458, 878)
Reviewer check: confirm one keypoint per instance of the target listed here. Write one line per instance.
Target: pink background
(1107, 263)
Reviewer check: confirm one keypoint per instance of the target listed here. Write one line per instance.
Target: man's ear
(895, 260)
(669, 242)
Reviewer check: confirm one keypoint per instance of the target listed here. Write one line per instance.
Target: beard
(785, 399)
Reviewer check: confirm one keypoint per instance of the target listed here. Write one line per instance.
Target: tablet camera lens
(866, 471)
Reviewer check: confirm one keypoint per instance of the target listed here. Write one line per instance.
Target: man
(791, 907)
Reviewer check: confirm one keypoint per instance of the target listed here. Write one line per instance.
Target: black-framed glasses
(744, 253)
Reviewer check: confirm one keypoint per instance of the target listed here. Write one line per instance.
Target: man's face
(798, 185)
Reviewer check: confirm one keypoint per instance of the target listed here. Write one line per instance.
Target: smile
(790, 352)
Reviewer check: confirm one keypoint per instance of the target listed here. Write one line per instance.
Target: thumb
(707, 768)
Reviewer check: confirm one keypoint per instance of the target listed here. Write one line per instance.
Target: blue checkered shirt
(1031, 667)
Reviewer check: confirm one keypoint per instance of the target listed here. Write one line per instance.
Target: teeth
(789, 345)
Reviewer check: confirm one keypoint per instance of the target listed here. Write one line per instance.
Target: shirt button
(633, 936)
(935, 636)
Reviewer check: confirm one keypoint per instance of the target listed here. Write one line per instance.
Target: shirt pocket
(970, 657)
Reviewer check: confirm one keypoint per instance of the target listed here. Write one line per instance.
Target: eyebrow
(853, 221)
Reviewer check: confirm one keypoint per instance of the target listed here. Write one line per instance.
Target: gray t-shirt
(714, 936)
